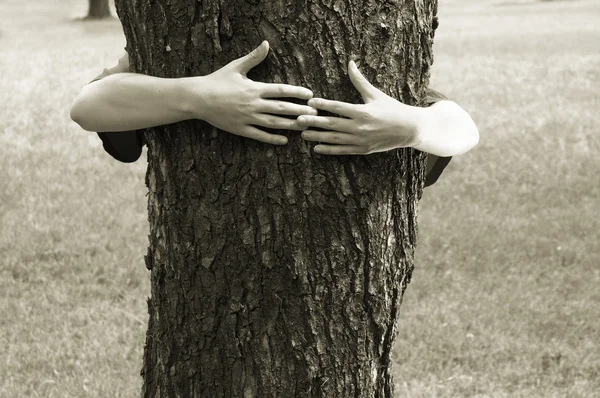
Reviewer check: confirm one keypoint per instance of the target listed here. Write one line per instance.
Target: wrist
(411, 125)
(422, 127)
(192, 94)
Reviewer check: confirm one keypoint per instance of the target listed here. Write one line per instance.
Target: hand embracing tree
(232, 91)
(381, 124)
(277, 271)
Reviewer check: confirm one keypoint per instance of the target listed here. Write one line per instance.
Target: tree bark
(98, 9)
(277, 272)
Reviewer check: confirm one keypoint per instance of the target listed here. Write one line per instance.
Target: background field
(505, 300)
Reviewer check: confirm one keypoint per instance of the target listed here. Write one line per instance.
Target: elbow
(81, 111)
(473, 135)
(75, 112)
(76, 117)
(469, 134)
(78, 114)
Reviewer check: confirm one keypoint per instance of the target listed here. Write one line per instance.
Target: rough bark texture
(277, 272)
(98, 9)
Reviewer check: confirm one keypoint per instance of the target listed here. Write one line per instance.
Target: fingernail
(301, 119)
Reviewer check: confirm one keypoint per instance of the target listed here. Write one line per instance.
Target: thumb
(366, 89)
(254, 58)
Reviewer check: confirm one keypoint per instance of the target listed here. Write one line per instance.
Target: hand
(381, 124)
(237, 104)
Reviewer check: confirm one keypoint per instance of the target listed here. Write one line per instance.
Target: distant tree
(98, 9)
(277, 272)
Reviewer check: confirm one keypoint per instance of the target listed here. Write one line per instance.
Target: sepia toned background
(505, 297)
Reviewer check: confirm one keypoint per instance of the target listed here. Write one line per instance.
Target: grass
(504, 301)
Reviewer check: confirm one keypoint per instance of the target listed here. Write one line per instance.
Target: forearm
(445, 129)
(129, 101)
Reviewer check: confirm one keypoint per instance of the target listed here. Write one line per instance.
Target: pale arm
(227, 99)
(383, 123)
(129, 101)
(445, 129)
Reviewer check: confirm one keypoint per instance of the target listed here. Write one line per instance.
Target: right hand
(237, 104)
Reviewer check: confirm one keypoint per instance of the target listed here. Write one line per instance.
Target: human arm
(383, 123)
(226, 98)
(120, 101)
(445, 128)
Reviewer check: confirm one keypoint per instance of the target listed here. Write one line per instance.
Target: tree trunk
(277, 272)
(98, 9)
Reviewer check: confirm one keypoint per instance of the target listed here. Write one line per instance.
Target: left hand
(380, 124)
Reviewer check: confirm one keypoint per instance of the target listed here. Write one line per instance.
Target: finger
(276, 90)
(255, 57)
(332, 137)
(285, 108)
(262, 136)
(328, 123)
(276, 122)
(339, 150)
(366, 89)
(337, 107)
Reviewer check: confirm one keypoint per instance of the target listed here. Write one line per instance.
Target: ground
(504, 301)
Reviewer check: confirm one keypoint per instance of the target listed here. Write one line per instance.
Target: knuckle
(365, 115)
(293, 125)
(270, 121)
(258, 136)
(366, 128)
(248, 91)
(246, 107)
